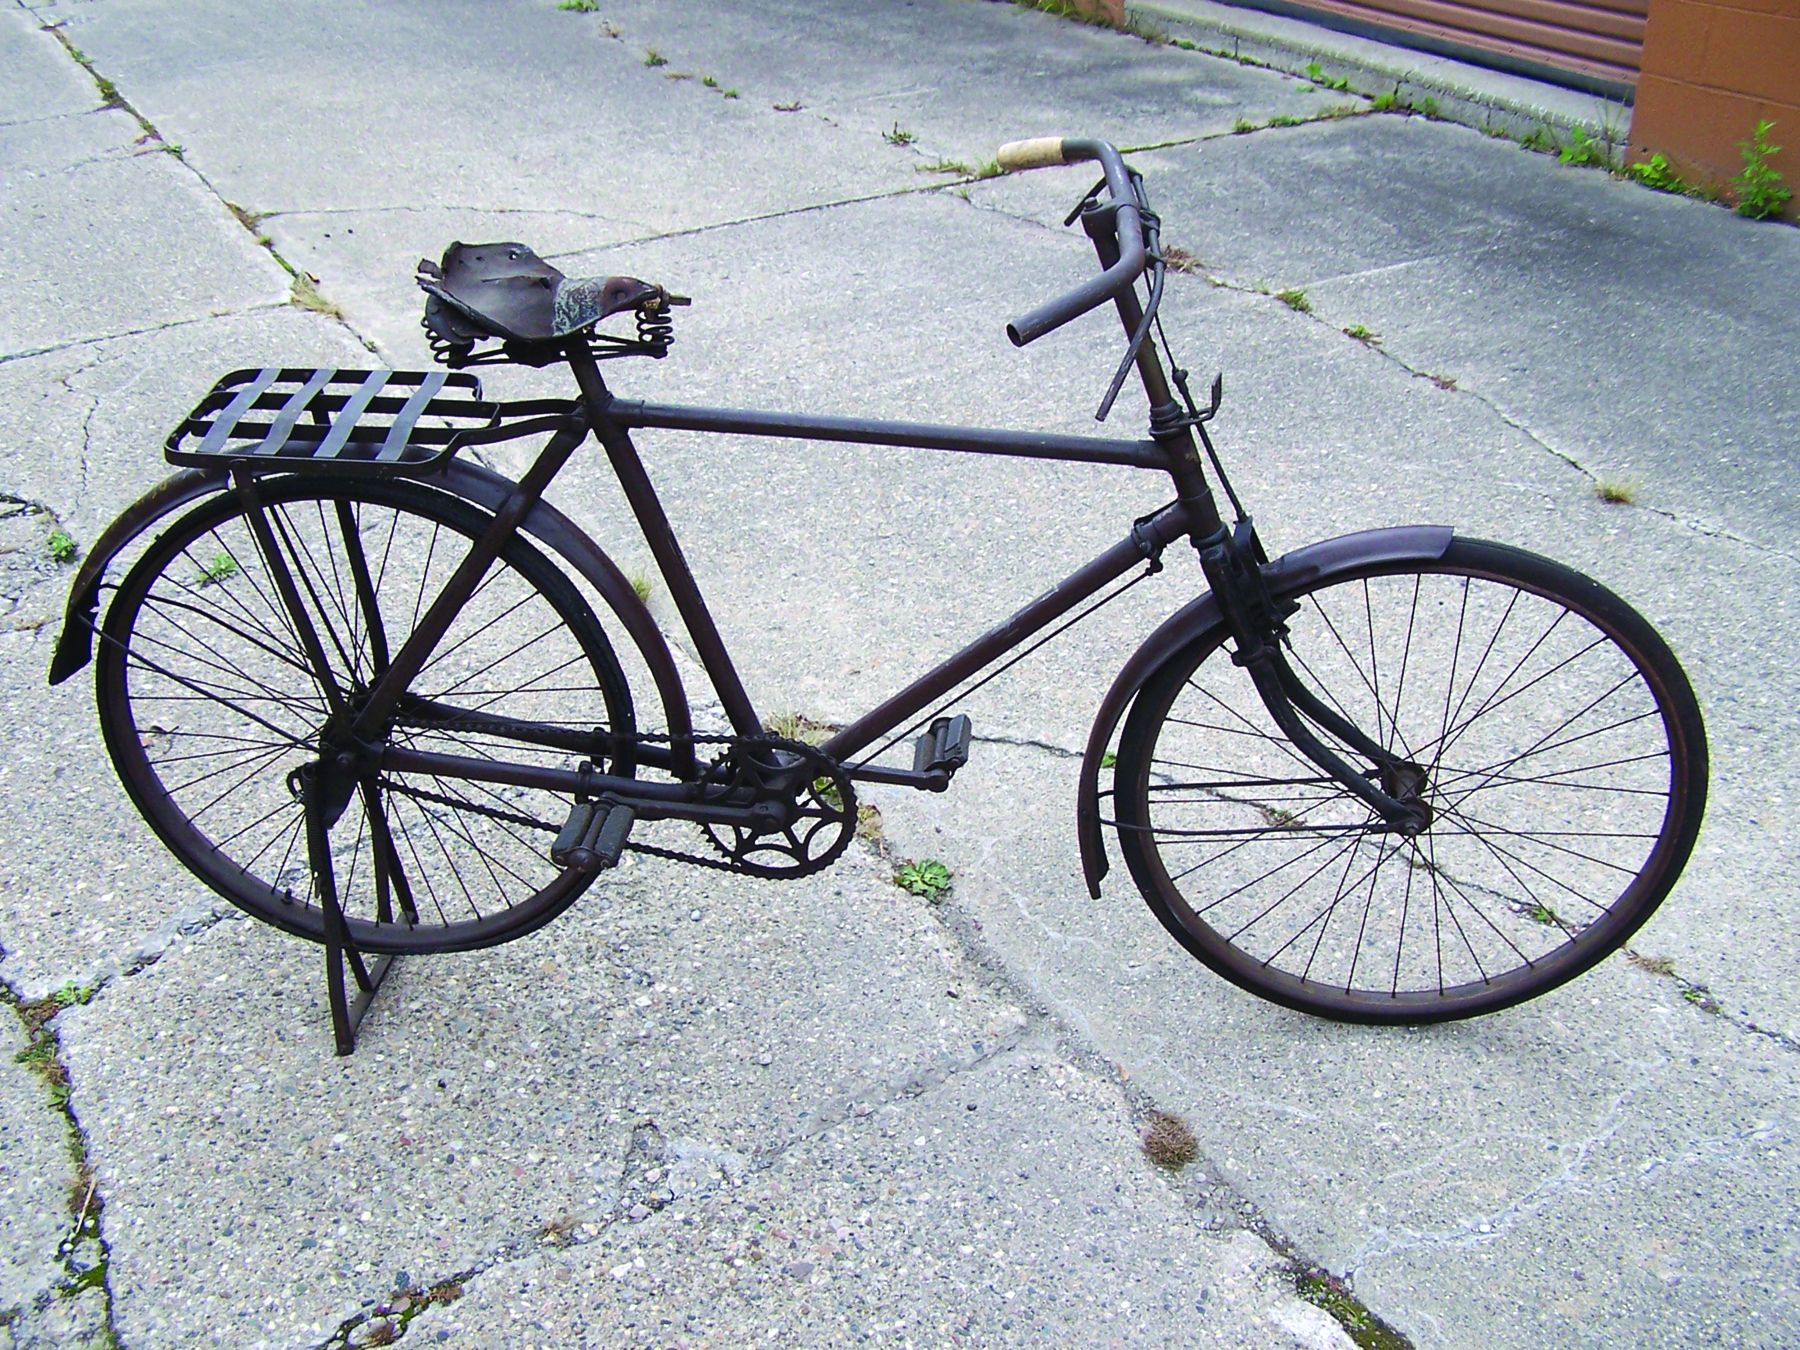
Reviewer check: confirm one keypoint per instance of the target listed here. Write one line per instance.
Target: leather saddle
(507, 291)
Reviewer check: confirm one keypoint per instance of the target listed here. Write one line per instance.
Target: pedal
(594, 836)
(943, 749)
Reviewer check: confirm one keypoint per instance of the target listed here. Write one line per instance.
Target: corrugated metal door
(1600, 39)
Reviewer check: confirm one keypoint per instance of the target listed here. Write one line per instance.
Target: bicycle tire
(207, 704)
(1509, 677)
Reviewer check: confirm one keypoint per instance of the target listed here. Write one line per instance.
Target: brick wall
(1711, 69)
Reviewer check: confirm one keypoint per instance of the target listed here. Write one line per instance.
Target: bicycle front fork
(1233, 559)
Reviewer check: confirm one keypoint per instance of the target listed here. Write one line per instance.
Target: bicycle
(1398, 776)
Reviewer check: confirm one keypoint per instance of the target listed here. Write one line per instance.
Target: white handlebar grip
(1032, 154)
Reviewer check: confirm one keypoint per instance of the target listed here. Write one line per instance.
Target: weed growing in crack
(1538, 138)
(1363, 334)
(1656, 174)
(899, 135)
(1108, 760)
(40, 1058)
(307, 296)
(222, 568)
(1701, 997)
(1316, 73)
(640, 586)
(924, 877)
(795, 106)
(709, 82)
(1761, 193)
(559, 1231)
(798, 727)
(955, 166)
(1286, 120)
(1168, 1142)
(1179, 259)
(1325, 1291)
(61, 546)
(1295, 299)
(1585, 151)
(1616, 491)
(989, 168)
(1443, 381)
(1656, 965)
(1243, 127)
(654, 58)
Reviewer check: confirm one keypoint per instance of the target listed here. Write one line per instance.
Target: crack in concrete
(757, 219)
(442, 207)
(81, 1270)
(52, 349)
(1702, 999)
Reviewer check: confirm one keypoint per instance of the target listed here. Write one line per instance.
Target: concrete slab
(37, 79)
(1605, 1160)
(118, 237)
(1006, 1206)
(491, 1095)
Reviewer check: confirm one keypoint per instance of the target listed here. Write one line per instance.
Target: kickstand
(346, 1013)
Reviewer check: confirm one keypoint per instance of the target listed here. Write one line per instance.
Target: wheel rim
(208, 707)
(1553, 771)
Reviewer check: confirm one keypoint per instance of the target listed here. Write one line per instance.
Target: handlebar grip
(1037, 153)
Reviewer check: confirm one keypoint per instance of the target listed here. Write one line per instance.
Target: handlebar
(1128, 226)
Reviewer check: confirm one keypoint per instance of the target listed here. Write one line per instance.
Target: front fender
(1197, 619)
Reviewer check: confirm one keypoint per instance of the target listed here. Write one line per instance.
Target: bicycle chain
(720, 860)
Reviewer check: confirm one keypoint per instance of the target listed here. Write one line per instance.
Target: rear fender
(1196, 620)
(474, 483)
(75, 644)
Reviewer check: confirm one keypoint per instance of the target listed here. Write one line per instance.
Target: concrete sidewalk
(702, 1110)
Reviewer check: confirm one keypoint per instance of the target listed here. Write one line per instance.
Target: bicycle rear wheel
(208, 704)
(1564, 762)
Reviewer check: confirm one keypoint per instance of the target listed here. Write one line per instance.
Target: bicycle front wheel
(208, 703)
(1564, 764)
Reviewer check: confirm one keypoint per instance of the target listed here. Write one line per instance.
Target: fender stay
(1196, 619)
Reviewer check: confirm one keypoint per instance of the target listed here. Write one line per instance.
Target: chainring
(825, 806)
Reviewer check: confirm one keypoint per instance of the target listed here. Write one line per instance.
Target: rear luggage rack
(351, 421)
